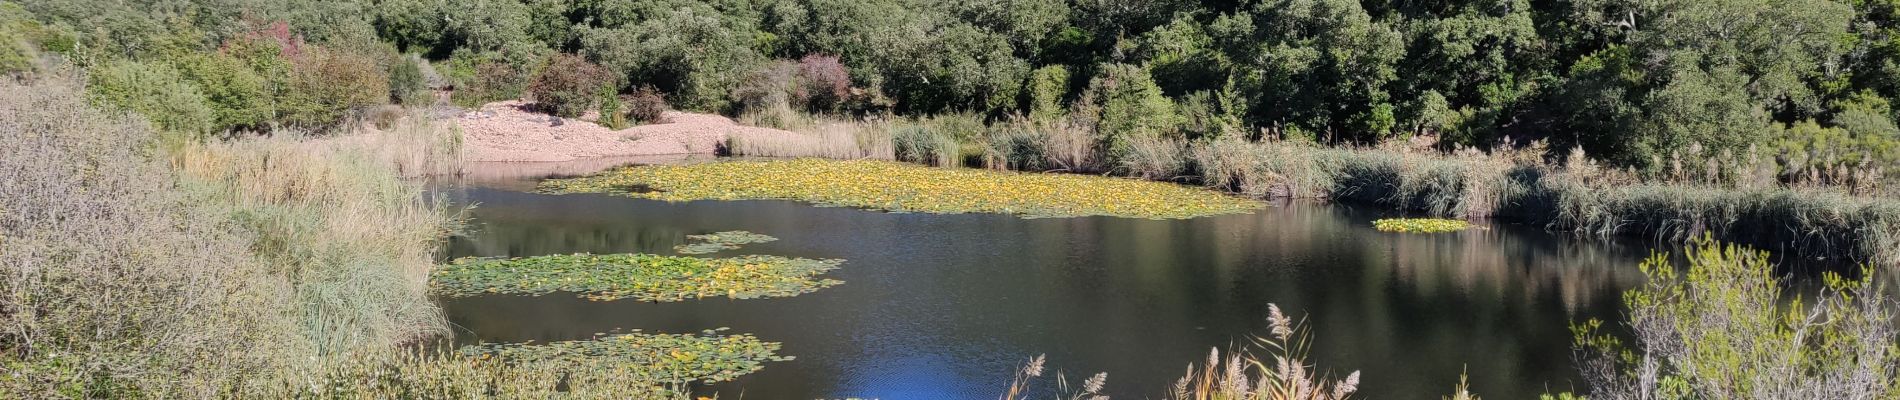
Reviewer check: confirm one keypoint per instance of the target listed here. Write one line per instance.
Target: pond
(947, 306)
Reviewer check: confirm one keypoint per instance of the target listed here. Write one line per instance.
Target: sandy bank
(507, 131)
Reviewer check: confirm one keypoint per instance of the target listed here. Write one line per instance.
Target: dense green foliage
(1634, 83)
(1753, 94)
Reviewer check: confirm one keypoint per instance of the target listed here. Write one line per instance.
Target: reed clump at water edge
(1781, 204)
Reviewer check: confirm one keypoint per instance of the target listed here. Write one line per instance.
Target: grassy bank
(132, 267)
(1788, 207)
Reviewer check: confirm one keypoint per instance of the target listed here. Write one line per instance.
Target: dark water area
(947, 306)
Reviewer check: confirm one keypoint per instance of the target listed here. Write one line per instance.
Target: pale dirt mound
(508, 131)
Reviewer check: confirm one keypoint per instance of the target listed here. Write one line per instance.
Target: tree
(1322, 65)
(691, 53)
(1130, 105)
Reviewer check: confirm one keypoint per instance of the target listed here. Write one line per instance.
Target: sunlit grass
(903, 187)
(639, 276)
(1420, 225)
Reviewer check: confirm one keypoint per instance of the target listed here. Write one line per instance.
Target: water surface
(947, 306)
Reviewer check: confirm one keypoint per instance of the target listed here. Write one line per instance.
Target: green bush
(1131, 106)
(407, 84)
(238, 96)
(694, 53)
(1046, 87)
(566, 86)
(612, 115)
(326, 86)
(490, 81)
(156, 91)
(1723, 330)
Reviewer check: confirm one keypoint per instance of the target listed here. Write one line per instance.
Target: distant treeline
(1630, 82)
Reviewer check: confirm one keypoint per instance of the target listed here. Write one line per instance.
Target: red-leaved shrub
(825, 82)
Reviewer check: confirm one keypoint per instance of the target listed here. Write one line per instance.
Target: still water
(947, 306)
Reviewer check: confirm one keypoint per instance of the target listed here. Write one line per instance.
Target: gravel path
(506, 131)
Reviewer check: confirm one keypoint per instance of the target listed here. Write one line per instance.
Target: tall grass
(831, 139)
(355, 240)
(266, 268)
(1278, 371)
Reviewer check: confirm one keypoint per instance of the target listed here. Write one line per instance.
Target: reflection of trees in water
(1508, 264)
(1503, 262)
(501, 230)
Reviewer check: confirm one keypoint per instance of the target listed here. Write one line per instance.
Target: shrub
(768, 88)
(565, 87)
(825, 83)
(612, 115)
(327, 85)
(1724, 331)
(490, 81)
(407, 84)
(1212, 114)
(156, 91)
(1047, 85)
(238, 96)
(116, 283)
(1131, 105)
(646, 106)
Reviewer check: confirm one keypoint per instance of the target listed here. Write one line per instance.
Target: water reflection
(945, 306)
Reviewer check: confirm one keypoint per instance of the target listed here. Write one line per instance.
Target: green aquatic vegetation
(893, 186)
(640, 276)
(714, 242)
(654, 357)
(1420, 225)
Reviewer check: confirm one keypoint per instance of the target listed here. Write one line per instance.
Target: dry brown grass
(828, 139)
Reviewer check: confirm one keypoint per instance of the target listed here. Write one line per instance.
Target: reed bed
(1797, 209)
(836, 140)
